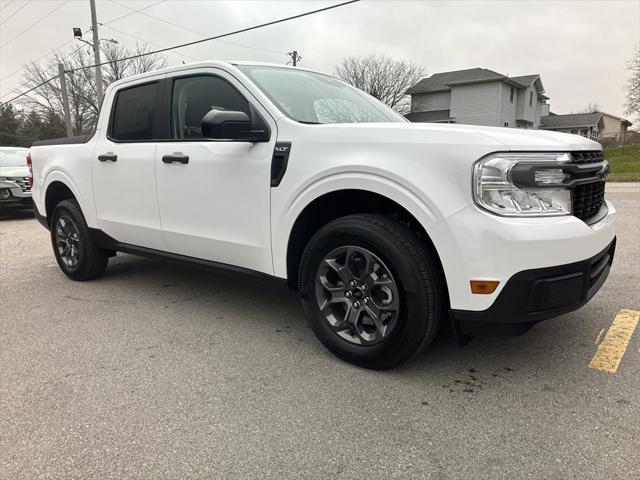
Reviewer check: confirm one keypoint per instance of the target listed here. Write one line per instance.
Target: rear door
(214, 196)
(124, 177)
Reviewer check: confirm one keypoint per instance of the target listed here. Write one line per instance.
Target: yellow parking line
(610, 351)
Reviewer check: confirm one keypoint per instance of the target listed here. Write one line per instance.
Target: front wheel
(78, 257)
(371, 291)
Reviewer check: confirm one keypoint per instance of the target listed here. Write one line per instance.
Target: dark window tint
(512, 91)
(194, 97)
(134, 114)
(531, 99)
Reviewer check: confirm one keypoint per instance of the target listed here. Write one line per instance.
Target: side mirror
(233, 126)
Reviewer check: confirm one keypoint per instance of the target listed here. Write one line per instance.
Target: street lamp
(77, 34)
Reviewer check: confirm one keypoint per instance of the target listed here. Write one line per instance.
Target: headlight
(496, 187)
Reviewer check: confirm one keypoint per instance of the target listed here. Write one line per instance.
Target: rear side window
(194, 96)
(134, 113)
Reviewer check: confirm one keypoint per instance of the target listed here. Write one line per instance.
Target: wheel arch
(56, 192)
(339, 203)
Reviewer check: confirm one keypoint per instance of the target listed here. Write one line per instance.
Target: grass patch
(625, 163)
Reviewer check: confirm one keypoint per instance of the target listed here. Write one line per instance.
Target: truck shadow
(17, 214)
(272, 307)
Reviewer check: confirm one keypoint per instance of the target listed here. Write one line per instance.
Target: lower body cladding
(545, 267)
(534, 295)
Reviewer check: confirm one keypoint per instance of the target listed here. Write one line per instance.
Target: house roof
(571, 120)
(443, 81)
(440, 81)
(620, 119)
(526, 80)
(431, 116)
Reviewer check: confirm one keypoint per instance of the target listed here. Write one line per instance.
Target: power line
(147, 41)
(37, 60)
(31, 89)
(33, 24)
(195, 31)
(216, 37)
(14, 13)
(195, 42)
(70, 41)
(48, 69)
(133, 10)
(6, 6)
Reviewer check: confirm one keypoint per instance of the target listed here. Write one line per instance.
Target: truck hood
(527, 139)
(499, 138)
(14, 171)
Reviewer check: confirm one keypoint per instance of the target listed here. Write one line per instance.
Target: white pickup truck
(388, 230)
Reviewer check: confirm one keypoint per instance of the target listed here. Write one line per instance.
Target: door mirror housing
(233, 126)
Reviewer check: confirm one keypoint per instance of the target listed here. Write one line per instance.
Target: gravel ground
(160, 371)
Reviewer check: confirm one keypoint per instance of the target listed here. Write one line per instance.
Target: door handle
(108, 157)
(176, 158)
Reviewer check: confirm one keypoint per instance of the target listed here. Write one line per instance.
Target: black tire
(91, 261)
(413, 268)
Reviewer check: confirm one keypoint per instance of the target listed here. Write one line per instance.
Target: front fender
(287, 212)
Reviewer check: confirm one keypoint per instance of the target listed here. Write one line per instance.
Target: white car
(15, 190)
(387, 229)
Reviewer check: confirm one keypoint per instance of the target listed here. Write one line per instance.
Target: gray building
(596, 125)
(479, 96)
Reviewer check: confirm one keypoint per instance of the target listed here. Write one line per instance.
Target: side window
(134, 113)
(193, 97)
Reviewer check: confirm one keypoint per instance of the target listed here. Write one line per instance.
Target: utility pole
(96, 51)
(295, 58)
(65, 100)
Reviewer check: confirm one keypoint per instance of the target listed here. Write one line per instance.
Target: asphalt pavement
(160, 371)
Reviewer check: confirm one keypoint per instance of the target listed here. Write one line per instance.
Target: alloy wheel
(357, 295)
(67, 239)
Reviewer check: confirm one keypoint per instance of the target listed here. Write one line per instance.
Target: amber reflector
(483, 287)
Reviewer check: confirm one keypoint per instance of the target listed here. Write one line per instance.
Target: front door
(124, 177)
(214, 196)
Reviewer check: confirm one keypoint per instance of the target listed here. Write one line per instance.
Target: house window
(511, 97)
(531, 99)
(506, 124)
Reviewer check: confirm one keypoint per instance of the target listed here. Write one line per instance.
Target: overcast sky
(580, 48)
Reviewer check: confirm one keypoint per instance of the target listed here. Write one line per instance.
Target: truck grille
(23, 182)
(587, 157)
(588, 198)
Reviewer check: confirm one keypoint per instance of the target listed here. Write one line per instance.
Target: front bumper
(12, 195)
(538, 294)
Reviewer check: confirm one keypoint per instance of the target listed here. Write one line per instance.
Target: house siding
(426, 102)
(508, 109)
(529, 113)
(612, 127)
(475, 104)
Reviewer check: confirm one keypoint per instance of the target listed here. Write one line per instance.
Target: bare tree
(384, 78)
(46, 100)
(632, 88)
(590, 107)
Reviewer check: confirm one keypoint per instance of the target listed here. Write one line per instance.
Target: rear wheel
(78, 257)
(371, 291)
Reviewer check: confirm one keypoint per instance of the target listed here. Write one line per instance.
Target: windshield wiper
(309, 123)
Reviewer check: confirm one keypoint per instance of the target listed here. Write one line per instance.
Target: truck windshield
(309, 97)
(13, 158)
